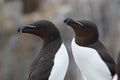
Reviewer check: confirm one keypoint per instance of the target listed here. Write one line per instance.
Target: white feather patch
(90, 63)
(115, 77)
(60, 64)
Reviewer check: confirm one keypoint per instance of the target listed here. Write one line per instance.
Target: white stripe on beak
(30, 25)
(67, 21)
(78, 22)
(21, 29)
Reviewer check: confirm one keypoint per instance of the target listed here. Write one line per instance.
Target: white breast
(60, 64)
(90, 63)
(115, 77)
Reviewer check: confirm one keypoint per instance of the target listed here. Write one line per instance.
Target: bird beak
(78, 22)
(69, 20)
(24, 28)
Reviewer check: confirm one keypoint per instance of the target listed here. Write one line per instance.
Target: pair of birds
(89, 59)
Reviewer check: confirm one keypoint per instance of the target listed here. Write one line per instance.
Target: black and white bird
(52, 61)
(118, 67)
(90, 54)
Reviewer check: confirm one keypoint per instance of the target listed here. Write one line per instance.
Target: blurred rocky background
(18, 50)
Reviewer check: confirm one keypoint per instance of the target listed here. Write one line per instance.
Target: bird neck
(51, 38)
(45, 59)
(84, 41)
(50, 48)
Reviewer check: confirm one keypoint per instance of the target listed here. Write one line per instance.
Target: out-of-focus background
(18, 50)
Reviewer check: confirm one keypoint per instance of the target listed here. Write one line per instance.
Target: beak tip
(67, 20)
(20, 29)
